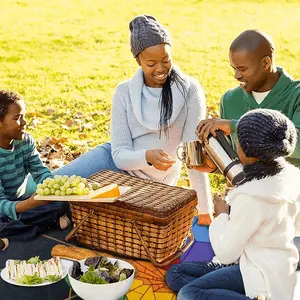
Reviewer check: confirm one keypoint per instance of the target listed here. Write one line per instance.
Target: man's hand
(159, 159)
(205, 127)
(30, 203)
(220, 206)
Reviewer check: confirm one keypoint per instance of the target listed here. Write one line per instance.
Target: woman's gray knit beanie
(146, 31)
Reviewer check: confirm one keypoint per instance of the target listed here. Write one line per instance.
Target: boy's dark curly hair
(6, 99)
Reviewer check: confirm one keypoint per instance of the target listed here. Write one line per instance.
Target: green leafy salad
(100, 271)
(34, 271)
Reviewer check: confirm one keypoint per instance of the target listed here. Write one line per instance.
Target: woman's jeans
(206, 281)
(94, 161)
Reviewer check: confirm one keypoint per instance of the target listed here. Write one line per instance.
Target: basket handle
(170, 258)
(69, 236)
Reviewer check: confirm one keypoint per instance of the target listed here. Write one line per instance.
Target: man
(262, 85)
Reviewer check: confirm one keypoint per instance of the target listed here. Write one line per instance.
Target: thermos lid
(239, 178)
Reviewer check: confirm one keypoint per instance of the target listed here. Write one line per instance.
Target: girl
(255, 253)
(152, 114)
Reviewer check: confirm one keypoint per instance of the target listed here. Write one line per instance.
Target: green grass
(69, 55)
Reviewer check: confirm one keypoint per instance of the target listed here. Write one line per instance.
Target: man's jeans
(206, 281)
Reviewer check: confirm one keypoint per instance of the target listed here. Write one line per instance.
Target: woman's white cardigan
(134, 130)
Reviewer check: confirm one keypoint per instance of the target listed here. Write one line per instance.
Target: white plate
(66, 264)
(86, 198)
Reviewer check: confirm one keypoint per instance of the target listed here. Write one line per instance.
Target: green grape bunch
(63, 186)
(95, 186)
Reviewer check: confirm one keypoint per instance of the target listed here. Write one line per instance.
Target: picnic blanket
(149, 283)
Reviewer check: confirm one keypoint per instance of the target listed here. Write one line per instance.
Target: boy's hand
(205, 127)
(29, 204)
(159, 159)
(37, 203)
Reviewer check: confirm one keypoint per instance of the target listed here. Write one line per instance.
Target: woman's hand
(220, 206)
(205, 127)
(159, 159)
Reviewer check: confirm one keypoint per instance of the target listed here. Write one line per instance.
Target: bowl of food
(107, 278)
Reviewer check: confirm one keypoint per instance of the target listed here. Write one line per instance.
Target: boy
(22, 217)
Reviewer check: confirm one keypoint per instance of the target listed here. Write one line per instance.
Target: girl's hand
(220, 206)
(208, 164)
(159, 159)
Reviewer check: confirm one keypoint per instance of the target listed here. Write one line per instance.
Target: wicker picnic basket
(150, 221)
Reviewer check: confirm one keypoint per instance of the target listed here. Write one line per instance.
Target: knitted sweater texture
(15, 165)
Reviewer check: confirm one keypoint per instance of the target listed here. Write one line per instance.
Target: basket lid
(146, 196)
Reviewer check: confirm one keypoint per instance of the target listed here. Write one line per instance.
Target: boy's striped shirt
(15, 165)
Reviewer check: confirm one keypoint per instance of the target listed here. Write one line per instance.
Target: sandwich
(34, 270)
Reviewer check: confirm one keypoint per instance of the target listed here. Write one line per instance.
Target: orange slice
(108, 191)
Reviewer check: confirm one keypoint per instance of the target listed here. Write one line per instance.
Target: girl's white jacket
(259, 233)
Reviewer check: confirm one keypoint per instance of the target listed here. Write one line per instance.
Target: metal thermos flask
(226, 159)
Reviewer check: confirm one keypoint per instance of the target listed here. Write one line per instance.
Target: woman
(255, 254)
(152, 114)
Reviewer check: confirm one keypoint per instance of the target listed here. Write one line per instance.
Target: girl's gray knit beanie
(266, 134)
